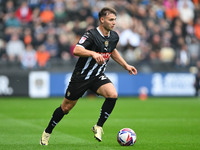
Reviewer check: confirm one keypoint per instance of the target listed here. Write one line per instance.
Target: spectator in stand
(42, 57)
(38, 39)
(129, 37)
(178, 23)
(60, 11)
(1, 23)
(194, 51)
(33, 4)
(166, 38)
(85, 10)
(143, 52)
(50, 29)
(183, 3)
(11, 26)
(64, 47)
(171, 10)
(8, 8)
(72, 8)
(189, 31)
(142, 13)
(24, 13)
(130, 55)
(15, 48)
(28, 59)
(164, 25)
(3, 56)
(28, 36)
(197, 28)
(167, 53)
(186, 11)
(152, 14)
(36, 15)
(38, 28)
(183, 58)
(47, 15)
(150, 24)
(47, 4)
(51, 46)
(159, 9)
(196, 3)
(177, 34)
(197, 8)
(11, 21)
(124, 20)
(155, 47)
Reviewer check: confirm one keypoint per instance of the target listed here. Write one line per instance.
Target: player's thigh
(67, 105)
(107, 90)
(76, 90)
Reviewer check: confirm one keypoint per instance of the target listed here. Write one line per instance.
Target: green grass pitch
(160, 124)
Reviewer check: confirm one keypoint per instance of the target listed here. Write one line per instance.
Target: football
(126, 137)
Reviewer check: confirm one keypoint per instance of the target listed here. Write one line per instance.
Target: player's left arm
(118, 58)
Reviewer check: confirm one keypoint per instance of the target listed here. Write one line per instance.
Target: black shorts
(76, 90)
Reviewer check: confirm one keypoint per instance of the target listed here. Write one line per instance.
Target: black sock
(56, 117)
(106, 110)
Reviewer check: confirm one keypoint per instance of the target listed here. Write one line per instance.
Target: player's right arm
(82, 52)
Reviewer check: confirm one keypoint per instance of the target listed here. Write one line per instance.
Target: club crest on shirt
(82, 40)
(106, 43)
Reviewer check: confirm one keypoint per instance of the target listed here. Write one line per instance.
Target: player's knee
(66, 107)
(113, 95)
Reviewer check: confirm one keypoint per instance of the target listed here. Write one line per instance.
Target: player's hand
(99, 58)
(131, 70)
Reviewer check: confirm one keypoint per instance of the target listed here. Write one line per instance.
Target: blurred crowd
(33, 32)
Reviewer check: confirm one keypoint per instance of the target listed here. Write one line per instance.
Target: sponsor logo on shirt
(106, 56)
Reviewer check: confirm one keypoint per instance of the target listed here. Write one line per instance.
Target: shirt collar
(102, 33)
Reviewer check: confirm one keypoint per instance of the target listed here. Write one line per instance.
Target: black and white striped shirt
(87, 67)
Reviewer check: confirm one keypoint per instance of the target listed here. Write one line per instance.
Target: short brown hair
(107, 10)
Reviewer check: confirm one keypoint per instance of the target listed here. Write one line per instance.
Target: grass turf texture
(160, 124)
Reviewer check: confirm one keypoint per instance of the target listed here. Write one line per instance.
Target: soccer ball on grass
(126, 137)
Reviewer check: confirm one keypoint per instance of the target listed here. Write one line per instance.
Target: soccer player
(94, 49)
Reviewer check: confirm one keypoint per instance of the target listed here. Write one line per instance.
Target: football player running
(94, 50)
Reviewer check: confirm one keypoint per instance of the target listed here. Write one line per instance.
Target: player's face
(109, 22)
